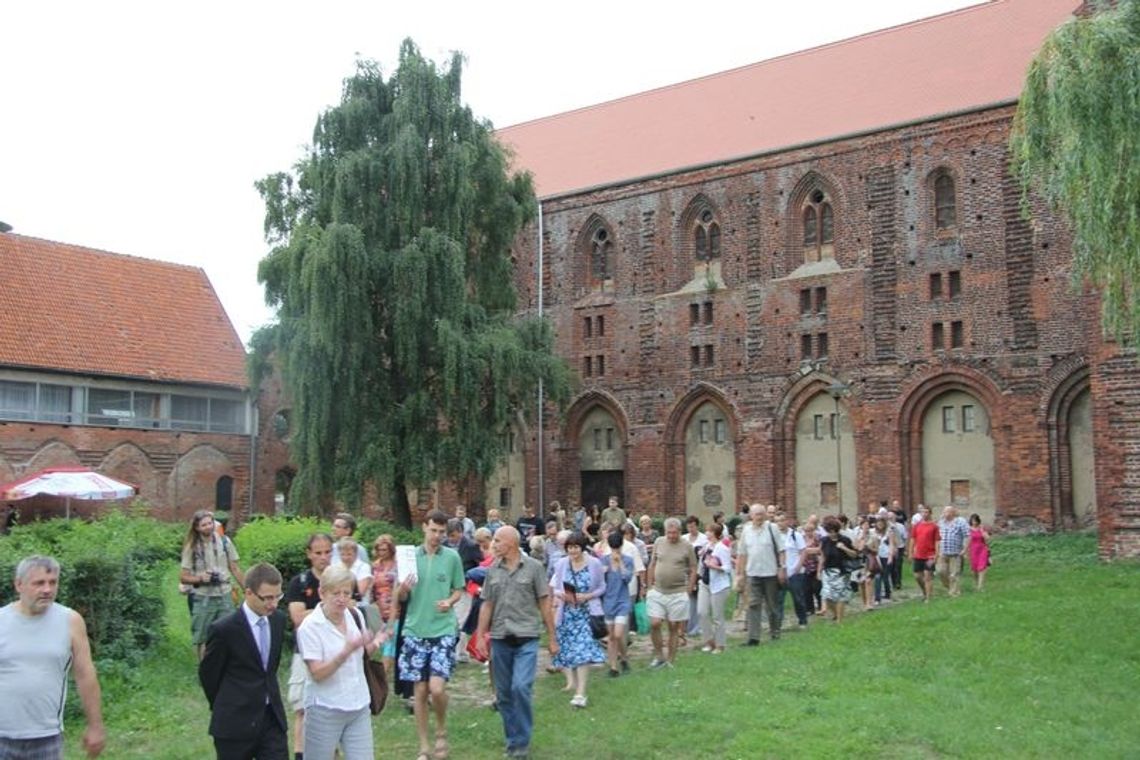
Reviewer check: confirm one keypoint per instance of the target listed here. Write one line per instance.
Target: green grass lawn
(1045, 663)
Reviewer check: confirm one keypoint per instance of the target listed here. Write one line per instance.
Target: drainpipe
(254, 419)
(541, 445)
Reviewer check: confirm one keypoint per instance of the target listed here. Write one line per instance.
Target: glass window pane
(720, 431)
(825, 224)
(967, 418)
(17, 400)
(226, 416)
(109, 407)
(947, 419)
(146, 409)
(188, 412)
(55, 403)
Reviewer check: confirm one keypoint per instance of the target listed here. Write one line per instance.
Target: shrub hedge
(281, 541)
(111, 572)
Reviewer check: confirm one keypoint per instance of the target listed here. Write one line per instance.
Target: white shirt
(719, 579)
(698, 542)
(793, 545)
(320, 640)
(629, 549)
(360, 570)
(757, 547)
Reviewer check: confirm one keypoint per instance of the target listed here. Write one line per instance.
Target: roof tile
(954, 62)
(75, 309)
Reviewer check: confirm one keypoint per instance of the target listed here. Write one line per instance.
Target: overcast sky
(140, 127)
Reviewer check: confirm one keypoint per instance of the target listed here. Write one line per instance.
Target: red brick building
(809, 281)
(126, 365)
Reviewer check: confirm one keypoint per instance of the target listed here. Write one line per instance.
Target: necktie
(263, 640)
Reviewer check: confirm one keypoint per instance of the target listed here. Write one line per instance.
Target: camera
(215, 578)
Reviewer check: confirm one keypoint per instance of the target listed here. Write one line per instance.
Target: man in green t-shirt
(427, 655)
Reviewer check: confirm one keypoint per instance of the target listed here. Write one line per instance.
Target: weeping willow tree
(392, 278)
(1076, 140)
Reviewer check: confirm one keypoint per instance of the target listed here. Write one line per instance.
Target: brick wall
(177, 472)
(1025, 341)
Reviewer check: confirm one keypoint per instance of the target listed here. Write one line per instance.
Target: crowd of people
(583, 577)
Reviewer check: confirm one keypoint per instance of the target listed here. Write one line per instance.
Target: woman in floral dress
(578, 583)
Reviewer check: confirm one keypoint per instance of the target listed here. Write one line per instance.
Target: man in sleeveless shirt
(39, 641)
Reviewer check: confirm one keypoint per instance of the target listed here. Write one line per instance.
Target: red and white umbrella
(68, 483)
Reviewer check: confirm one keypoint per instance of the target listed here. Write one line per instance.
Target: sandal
(442, 750)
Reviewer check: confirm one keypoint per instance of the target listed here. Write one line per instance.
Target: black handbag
(598, 626)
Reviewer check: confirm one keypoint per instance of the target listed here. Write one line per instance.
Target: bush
(111, 572)
(281, 541)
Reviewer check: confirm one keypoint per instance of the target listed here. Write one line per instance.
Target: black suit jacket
(236, 685)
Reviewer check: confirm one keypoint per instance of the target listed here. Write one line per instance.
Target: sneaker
(706, 648)
(751, 643)
(718, 650)
(614, 672)
(657, 664)
(578, 701)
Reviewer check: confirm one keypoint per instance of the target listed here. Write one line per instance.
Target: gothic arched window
(706, 237)
(945, 203)
(601, 248)
(818, 228)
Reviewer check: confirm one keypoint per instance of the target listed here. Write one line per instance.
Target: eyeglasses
(268, 598)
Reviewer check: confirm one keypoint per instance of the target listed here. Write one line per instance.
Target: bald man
(516, 605)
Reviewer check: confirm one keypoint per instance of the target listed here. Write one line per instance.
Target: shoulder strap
(775, 552)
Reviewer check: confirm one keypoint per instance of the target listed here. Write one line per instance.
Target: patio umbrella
(68, 483)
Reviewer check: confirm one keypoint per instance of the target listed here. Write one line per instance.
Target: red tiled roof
(74, 309)
(955, 62)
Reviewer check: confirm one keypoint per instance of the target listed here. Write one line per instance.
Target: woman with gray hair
(336, 692)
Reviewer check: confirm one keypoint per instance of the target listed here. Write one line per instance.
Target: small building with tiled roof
(126, 365)
(809, 282)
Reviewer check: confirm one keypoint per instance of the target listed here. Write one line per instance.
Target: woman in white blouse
(715, 582)
(330, 641)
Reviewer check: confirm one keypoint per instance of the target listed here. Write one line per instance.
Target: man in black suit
(239, 674)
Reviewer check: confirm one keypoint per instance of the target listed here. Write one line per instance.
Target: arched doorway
(710, 463)
(1082, 462)
(601, 458)
(958, 455)
(825, 458)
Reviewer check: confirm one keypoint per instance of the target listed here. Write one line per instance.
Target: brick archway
(569, 474)
(1073, 380)
(914, 408)
(797, 396)
(674, 440)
